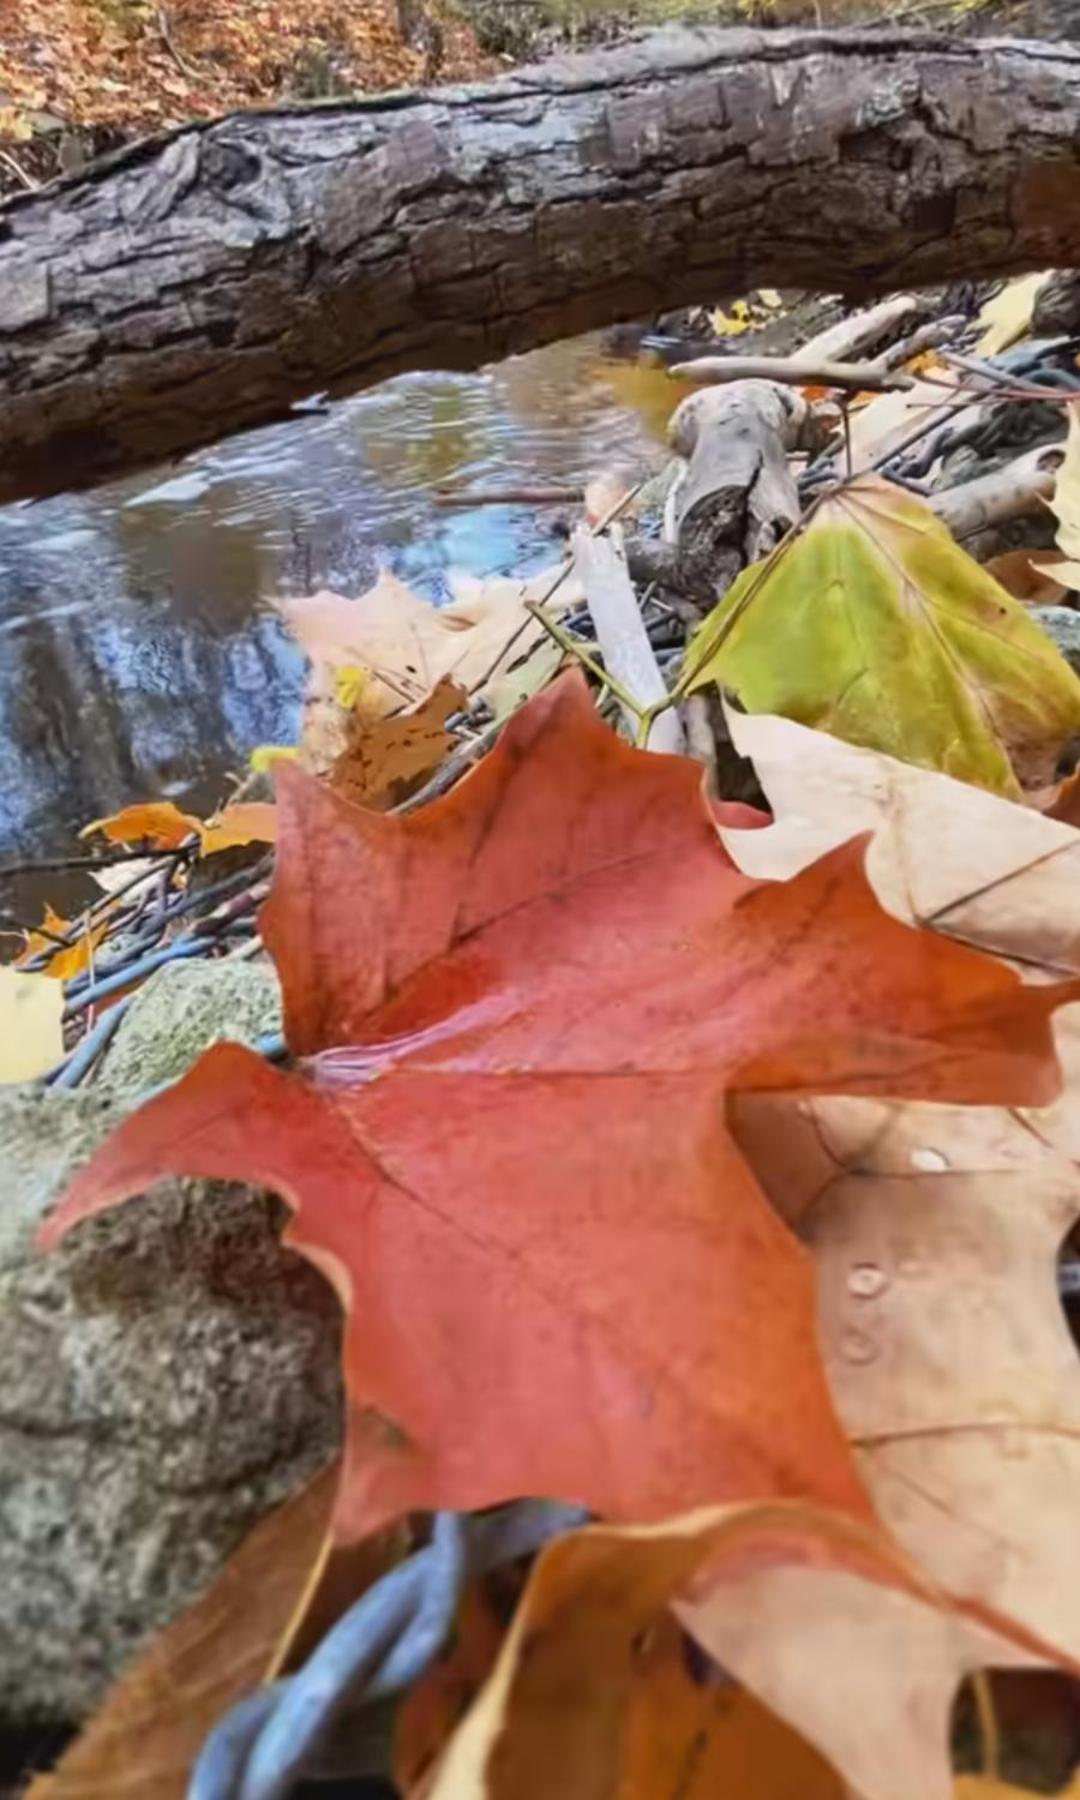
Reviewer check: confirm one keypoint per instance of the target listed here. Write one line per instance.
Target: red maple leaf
(517, 1014)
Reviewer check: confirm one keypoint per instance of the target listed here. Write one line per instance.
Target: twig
(51, 864)
(621, 634)
(27, 180)
(601, 525)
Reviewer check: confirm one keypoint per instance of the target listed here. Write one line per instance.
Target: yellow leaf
(731, 324)
(1008, 315)
(1066, 499)
(264, 756)
(158, 820)
(350, 681)
(872, 624)
(31, 1037)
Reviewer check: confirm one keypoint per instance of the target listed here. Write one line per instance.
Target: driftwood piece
(1007, 493)
(716, 371)
(862, 331)
(208, 280)
(738, 495)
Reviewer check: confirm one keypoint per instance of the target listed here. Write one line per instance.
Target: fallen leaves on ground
(163, 826)
(819, 1616)
(559, 957)
(403, 646)
(943, 854)
(873, 625)
(31, 1036)
(137, 66)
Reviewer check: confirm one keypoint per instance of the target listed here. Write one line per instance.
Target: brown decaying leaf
(408, 646)
(1031, 582)
(146, 1736)
(818, 1612)
(935, 1232)
(967, 862)
(558, 958)
(385, 758)
(434, 1707)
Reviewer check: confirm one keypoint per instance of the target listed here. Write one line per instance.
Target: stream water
(139, 656)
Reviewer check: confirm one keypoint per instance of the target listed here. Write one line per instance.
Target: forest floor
(81, 77)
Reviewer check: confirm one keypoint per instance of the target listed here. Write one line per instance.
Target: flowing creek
(139, 656)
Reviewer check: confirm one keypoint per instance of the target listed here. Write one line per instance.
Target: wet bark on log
(205, 282)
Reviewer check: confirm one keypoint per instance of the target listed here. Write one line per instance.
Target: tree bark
(205, 282)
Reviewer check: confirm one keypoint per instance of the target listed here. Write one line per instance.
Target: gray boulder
(1063, 625)
(167, 1375)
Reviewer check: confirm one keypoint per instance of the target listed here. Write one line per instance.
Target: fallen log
(206, 281)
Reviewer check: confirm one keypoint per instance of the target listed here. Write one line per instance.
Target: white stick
(621, 635)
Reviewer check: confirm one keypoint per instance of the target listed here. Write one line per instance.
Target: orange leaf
(523, 1007)
(159, 820)
(248, 822)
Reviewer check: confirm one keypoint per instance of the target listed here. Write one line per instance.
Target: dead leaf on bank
(874, 625)
(166, 827)
(385, 759)
(145, 1737)
(811, 1611)
(492, 962)
(935, 1233)
(407, 645)
(972, 865)
(1065, 504)
(158, 821)
(31, 1035)
(246, 822)
(878, 429)
(1033, 582)
(1007, 317)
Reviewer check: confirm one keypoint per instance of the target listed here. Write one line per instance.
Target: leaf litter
(758, 1159)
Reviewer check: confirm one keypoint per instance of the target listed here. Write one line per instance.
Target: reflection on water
(137, 655)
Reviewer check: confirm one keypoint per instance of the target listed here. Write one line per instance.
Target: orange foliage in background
(124, 67)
